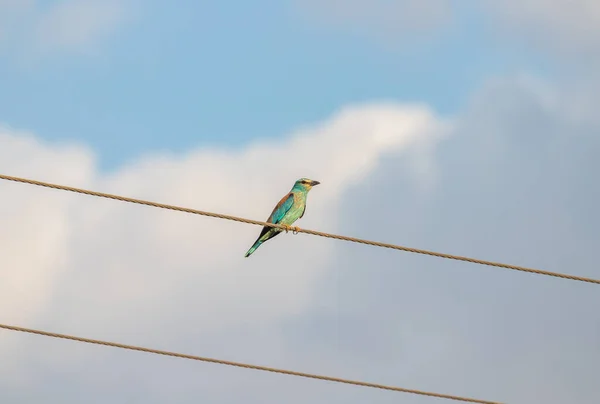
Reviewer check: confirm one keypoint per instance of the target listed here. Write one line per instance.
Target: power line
(295, 229)
(244, 365)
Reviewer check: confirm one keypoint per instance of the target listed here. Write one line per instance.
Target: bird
(289, 209)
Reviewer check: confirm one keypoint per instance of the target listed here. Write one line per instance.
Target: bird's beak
(313, 183)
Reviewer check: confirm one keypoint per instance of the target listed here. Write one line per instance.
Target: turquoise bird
(289, 209)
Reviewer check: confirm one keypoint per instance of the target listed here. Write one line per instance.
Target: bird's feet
(294, 229)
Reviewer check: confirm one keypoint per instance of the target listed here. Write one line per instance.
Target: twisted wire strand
(244, 365)
(300, 230)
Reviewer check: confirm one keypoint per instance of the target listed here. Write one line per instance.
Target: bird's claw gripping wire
(294, 229)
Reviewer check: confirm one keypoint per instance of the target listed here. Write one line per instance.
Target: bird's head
(305, 184)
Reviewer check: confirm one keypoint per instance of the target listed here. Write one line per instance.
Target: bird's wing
(281, 208)
(278, 213)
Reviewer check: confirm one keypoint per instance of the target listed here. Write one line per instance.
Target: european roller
(289, 209)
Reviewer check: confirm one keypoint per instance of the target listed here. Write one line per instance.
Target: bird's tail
(257, 244)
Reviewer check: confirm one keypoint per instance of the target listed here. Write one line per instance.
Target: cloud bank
(561, 28)
(510, 179)
(120, 272)
(569, 27)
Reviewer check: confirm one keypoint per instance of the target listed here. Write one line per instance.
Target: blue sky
(225, 73)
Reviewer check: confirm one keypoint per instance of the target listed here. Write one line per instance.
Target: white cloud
(560, 27)
(569, 26)
(122, 272)
(514, 182)
(32, 28)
